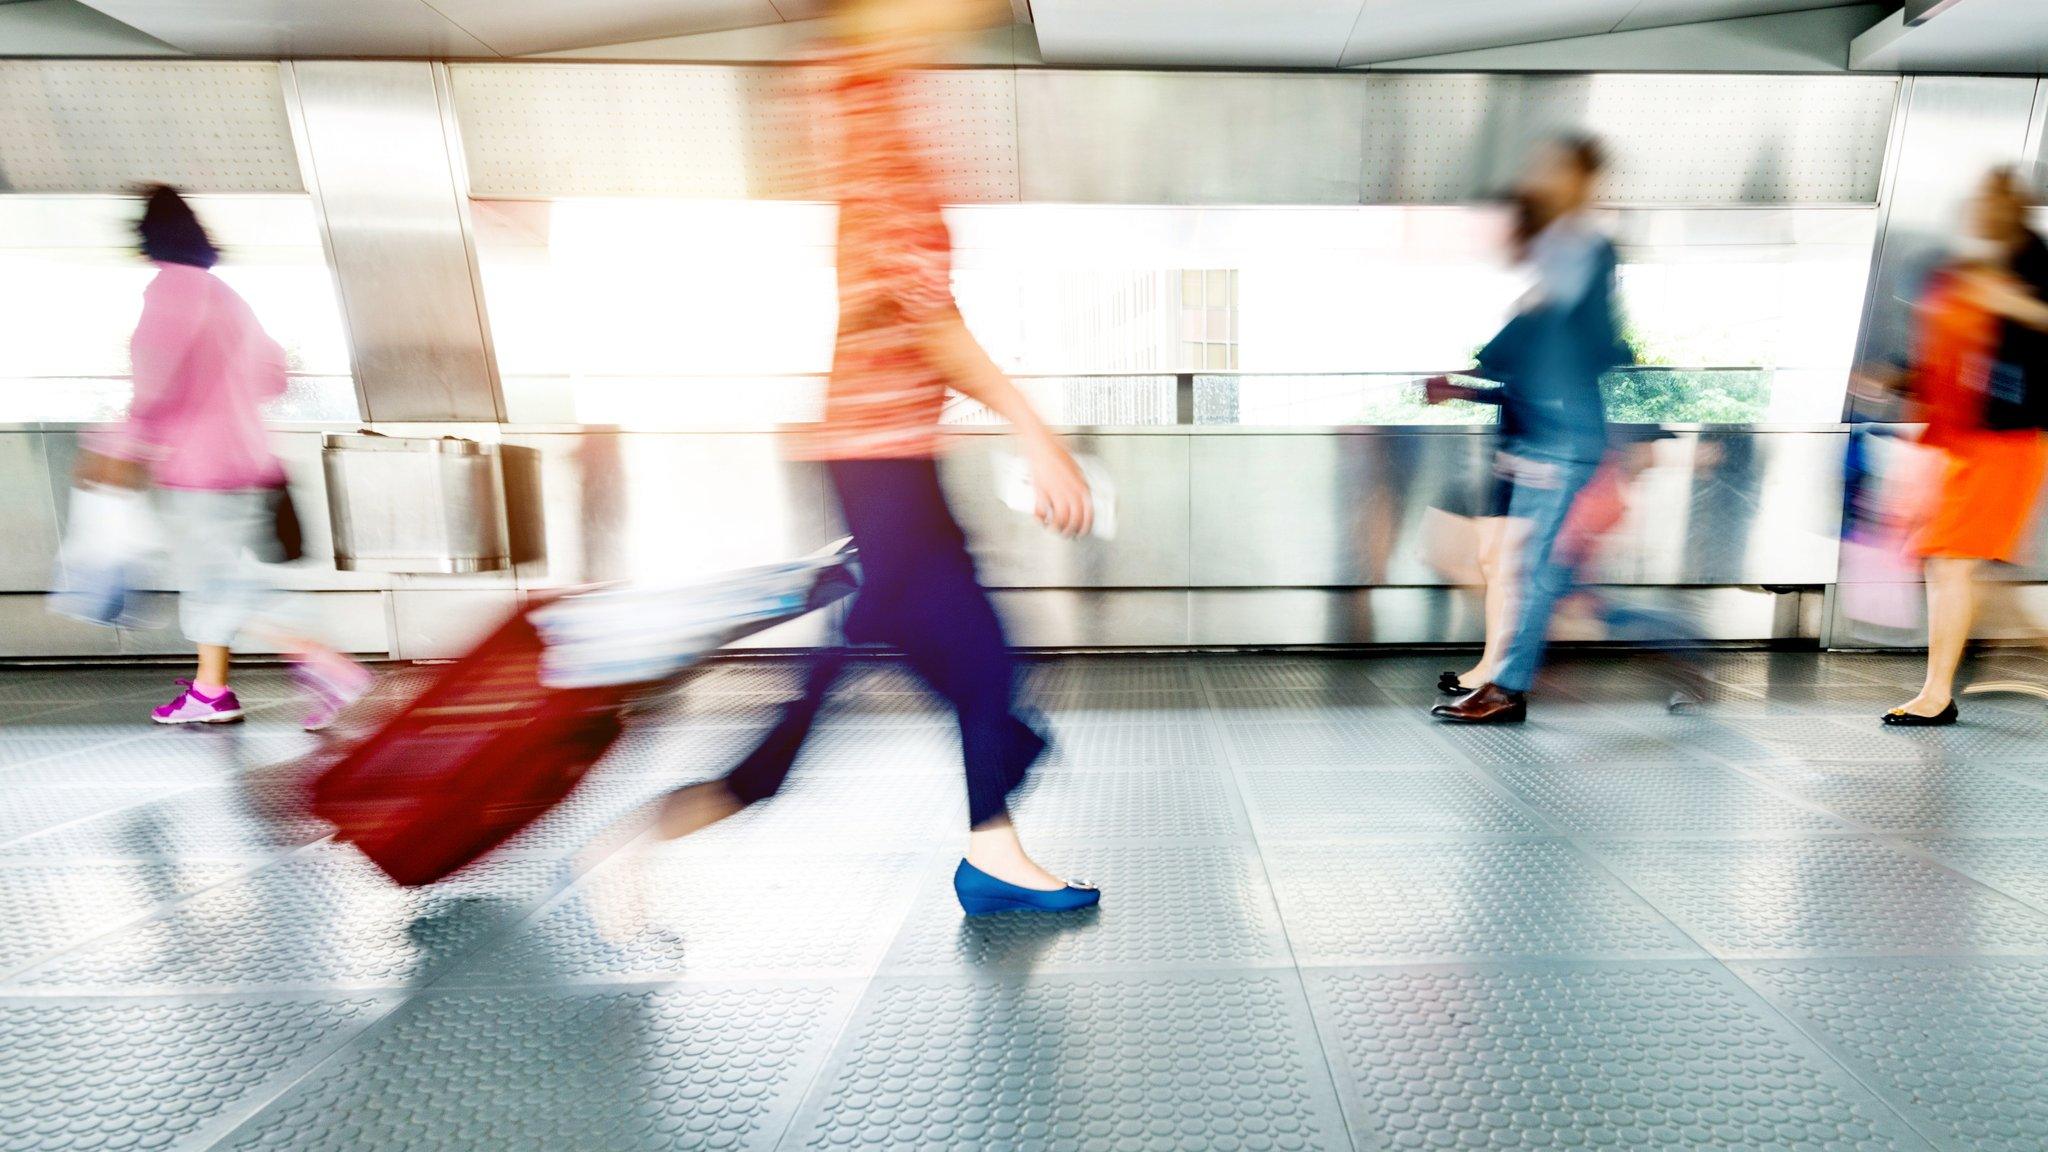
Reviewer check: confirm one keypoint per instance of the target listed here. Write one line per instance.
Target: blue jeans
(1544, 491)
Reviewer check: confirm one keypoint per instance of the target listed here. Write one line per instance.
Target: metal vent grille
(1671, 139)
(533, 130)
(105, 127)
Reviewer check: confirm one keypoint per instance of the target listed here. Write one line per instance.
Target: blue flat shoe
(982, 894)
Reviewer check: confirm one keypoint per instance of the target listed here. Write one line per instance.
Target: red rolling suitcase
(478, 756)
(491, 745)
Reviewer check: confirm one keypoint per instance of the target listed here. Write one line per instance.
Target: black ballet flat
(1447, 683)
(1900, 718)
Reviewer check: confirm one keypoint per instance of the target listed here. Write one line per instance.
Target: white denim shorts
(212, 538)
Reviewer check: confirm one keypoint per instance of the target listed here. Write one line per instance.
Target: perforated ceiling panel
(533, 130)
(105, 127)
(1670, 139)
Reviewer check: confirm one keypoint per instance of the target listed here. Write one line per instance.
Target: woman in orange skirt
(1991, 477)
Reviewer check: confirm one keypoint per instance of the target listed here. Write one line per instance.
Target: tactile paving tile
(325, 918)
(697, 1067)
(39, 742)
(1833, 895)
(29, 811)
(1322, 803)
(2015, 865)
(209, 823)
(1084, 677)
(1634, 1056)
(1667, 800)
(1322, 743)
(46, 907)
(1194, 804)
(1576, 740)
(687, 912)
(1256, 703)
(1227, 675)
(1769, 670)
(1910, 797)
(1414, 903)
(1957, 1047)
(1180, 744)
(131, 1073)
(821, 806)
(1981, 734)
(1717, 734)
(1158, 1064)
(599, 807)
(197, 758)
(781, 676)
(1162, 907)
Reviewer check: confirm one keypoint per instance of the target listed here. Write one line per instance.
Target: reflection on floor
(1328, 924)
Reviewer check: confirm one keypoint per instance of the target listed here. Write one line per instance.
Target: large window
(721, 313)
(71, 289)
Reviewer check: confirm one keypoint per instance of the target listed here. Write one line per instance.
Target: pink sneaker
(194, 707)
(333, 685)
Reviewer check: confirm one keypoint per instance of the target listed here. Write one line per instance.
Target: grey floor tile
(1652, 1055)
(1657, 800)
(1319, 742)
(1911, 797)
(698, 911)
(237, 820)
(106, 1074)
(1584, 739)
(1293, 804)
(323, 919)
(31, 811)
(1824, 896)
(1176, 744)
(2015, 865)
(1413, 903)
(1956, 1046)
(1190, 804)
(47, 906)
(1164, 908)
(1153, 1064)
(715, 1067)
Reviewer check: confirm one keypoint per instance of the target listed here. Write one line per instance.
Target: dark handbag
(2016, 381)
(288, 539)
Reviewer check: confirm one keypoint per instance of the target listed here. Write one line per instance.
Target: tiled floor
(1327, 924)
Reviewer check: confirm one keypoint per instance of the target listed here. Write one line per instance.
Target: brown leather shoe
(1490, 704)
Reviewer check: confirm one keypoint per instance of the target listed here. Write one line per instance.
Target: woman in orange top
(901, 345)
(1991, 477)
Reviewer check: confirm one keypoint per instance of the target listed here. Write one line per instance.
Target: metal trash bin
(413, 504)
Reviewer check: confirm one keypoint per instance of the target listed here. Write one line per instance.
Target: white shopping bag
(1019, 494)
(111, 531)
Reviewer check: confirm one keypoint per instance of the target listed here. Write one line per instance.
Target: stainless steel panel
(28, 514)
(411, 504)
(381, 161)
(1299, 33)
(1058, 618)
(536, 130)
(650, 506)
(1012, 550)
(28, 630)
(436, 625)
(1281, 511)
(1957, 128)
(1735, 508)
(518, 27)
(1746, 139)
(106, 126)
(1297, 616)
(1189, 138)
(240, 28)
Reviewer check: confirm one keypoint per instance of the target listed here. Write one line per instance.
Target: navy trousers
(919, 594)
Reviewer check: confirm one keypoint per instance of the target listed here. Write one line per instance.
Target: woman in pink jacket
(203, 370)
